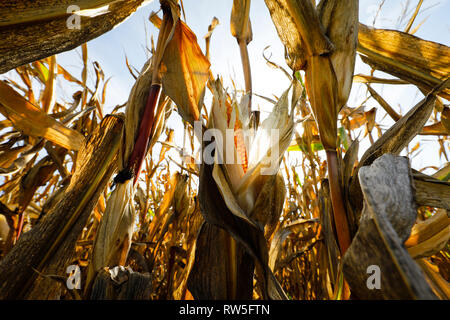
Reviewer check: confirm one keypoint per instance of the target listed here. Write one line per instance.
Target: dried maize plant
(323, 42)
(242, 193)
(173, 66)
(54, 179)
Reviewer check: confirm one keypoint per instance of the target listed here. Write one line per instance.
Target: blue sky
(131, 37)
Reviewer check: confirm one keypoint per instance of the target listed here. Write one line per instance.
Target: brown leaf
(420, 62)
(430, 236)
(185, 71)
(32, 121)
(216, 212)
(33, 31)
(388, 215)
(240, 24)
(211, 277)
(340, 21)
(321, 86)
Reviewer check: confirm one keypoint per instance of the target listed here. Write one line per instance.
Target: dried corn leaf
(397, 137)
(420, 62)
(33, 31)
(435, 129)
(49, 246)
(431, 191)
(430, 236)
(216, 212)
(390, 111)
(288, 33)
(388, 215)
(362, 78)
(32, 121)
(185, 71)
(211, 277)
(439, 285)
(49, 95)
(303, 230)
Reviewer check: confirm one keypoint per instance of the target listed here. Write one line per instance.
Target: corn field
(314, 200)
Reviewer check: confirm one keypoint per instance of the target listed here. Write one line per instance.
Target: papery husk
(240, 24)
(261, 153)
(133, 112)
(340, 21)
(113, 239)
(245, 203)
(185, 71)
(322, 88)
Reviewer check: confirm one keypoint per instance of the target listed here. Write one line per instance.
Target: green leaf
(343, 138)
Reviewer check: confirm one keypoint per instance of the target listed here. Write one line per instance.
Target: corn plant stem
(20, 225)
(339, 212)
(232, 268)
(76, 213)
(145, 129)
(247, 71)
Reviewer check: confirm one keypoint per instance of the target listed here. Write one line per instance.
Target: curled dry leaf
(185, 71)
(430, 236)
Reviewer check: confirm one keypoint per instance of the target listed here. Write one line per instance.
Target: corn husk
(113, 238)
(340, 21)
(185, 71)
(251, 198)
(240, 24)
(247, 184)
